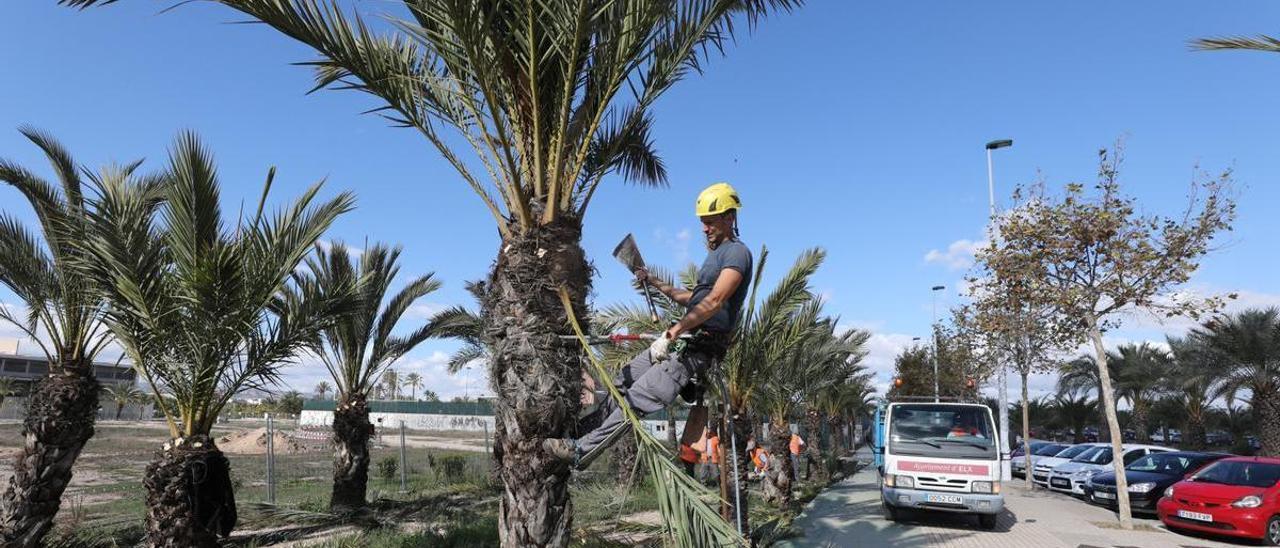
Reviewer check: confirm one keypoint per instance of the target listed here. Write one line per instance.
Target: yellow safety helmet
(717, 199)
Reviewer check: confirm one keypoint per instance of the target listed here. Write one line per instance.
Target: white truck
(938, 457)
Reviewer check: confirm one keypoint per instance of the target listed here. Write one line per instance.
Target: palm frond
(685, 504)
(1254, 43)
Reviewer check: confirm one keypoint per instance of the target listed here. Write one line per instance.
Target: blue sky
(855, 126)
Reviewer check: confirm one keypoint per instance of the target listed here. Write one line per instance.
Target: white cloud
(423, 311)
(958, 256)
(882, 349)
(678, 244)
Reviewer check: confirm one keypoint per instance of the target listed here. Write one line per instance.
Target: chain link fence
(272, 461)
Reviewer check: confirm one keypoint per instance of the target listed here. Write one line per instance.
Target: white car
(1070, 477)
(1042, 467)
(1018, 464)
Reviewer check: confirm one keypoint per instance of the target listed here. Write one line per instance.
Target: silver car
(1043, 467)
(1039, 450)
(1070, 477)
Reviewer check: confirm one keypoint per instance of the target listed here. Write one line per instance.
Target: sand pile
(254, 442)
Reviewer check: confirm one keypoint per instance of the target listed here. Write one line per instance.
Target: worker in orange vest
(688, 458)
(709, 445)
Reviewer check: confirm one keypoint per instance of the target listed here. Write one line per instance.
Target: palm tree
(748, 359)
(806, 357)
(1194, 381)
(1247, 347)
(391, 380)
(1081, 375)
(206, 312)
(1073, 409)
(845, 405)
(66, 312)
(358, 350)
(829, 407)
(323, 388)
(552, 97)
(122, 395)
(414, 382)
(1142, 372)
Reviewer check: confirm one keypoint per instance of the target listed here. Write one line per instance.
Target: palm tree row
(1232, 358)
(206, 308)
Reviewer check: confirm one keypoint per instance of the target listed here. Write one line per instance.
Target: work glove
(659, 350)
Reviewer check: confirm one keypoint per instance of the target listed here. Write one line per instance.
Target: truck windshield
(937, 430)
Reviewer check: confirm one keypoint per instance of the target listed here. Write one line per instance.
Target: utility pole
(934, 326)
(1006, 473)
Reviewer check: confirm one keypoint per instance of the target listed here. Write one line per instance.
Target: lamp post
(934, 326)
(1006, 472)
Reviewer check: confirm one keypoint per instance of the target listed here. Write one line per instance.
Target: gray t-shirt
(730, 254)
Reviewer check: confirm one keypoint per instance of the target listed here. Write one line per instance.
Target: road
(849, 514)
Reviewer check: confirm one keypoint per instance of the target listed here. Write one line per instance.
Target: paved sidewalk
(849, 514)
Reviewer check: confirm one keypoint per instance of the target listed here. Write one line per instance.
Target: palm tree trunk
(782, 473)
(60, 416)
(813, 423)
(119, 410)
(1195, 434)
(536, 375)
(837, 435)
(351, 433)
(734, 463)
(1026, 429)
(625, 455)
(190, 500)
(1140, 428)
(1267, 411)
(1109, 407)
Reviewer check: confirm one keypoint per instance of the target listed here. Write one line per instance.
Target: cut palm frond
(685, 504)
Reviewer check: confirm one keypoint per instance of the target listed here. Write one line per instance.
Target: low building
(23, 371)
(470, 416)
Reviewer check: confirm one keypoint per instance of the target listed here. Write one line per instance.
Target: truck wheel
(987, 521)
(890, 513)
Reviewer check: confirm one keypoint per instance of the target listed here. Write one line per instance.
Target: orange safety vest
(797, 444)
(688, 454)
(714, 443)
(760, 457)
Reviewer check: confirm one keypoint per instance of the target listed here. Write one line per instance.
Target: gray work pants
(648, 387)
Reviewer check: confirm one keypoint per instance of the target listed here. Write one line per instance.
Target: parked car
(1018, 466)
(1218, 438)
(1040, 471)
(1235, 496)
(1069, 477)
(1147, 478)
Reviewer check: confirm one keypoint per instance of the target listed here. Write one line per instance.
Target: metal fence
(272, 461)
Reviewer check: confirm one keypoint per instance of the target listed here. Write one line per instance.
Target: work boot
(563, 449)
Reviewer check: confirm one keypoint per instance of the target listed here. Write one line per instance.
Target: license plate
(1195, 515)
(1059, 482)
(1108, 496)
(945, 499)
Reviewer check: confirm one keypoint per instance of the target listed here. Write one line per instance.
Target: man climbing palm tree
(652, 379)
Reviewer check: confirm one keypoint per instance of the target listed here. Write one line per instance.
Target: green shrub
(387, 468)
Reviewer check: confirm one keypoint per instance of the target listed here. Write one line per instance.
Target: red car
(1236, 496)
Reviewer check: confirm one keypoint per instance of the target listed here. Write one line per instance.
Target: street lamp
(1003, 378)
(935, 290)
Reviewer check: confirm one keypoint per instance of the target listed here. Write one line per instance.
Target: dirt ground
(108, 474)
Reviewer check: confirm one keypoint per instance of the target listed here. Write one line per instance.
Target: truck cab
(938, 457)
